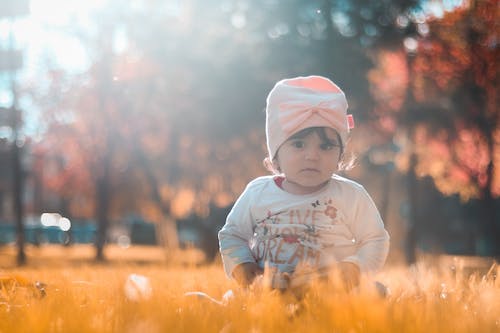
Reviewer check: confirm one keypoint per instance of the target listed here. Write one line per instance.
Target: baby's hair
(344, 163)
(321, 131)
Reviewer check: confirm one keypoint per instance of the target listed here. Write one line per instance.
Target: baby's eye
(328, 146)
(298, 144)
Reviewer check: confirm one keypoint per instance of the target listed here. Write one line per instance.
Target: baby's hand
(350, 274)
(271, 279)
(279, 280)
(246, 273)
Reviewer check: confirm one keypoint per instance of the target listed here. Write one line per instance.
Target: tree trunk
(102, 218)
(489, 220)
(168, 228)
(102, 210)
(169, 236)
(103, 169)
(167, 225)
(411, 233)
(18, 202)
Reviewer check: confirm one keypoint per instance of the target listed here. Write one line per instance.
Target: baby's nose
(312, 153)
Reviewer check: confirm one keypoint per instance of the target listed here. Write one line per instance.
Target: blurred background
(141, 121)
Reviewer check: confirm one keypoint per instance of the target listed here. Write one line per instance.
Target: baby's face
(309, 162)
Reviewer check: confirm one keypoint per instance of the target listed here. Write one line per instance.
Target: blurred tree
(458, 61)
(445, 98)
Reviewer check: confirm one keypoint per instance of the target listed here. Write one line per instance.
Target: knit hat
(302, 102)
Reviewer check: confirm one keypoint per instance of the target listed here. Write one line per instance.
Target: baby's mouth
(309, 170)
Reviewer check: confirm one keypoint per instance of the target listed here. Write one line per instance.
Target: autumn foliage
(445, 94)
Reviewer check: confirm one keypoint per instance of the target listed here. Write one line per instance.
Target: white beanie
(302, 102)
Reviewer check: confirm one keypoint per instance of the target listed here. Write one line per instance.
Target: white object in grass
(137, 287)
(226, 298)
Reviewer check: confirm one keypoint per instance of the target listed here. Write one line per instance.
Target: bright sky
(42, 37)
(43, 31)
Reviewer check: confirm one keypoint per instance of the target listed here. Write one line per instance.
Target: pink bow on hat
(293, 114)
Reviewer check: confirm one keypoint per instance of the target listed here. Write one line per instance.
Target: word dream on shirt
(290, 245)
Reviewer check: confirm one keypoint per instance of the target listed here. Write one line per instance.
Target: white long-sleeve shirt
(272, 227)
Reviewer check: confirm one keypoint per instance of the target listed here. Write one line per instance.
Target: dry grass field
(138, 291)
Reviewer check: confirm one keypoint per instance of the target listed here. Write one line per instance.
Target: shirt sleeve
(370, 234)
(235, 235)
